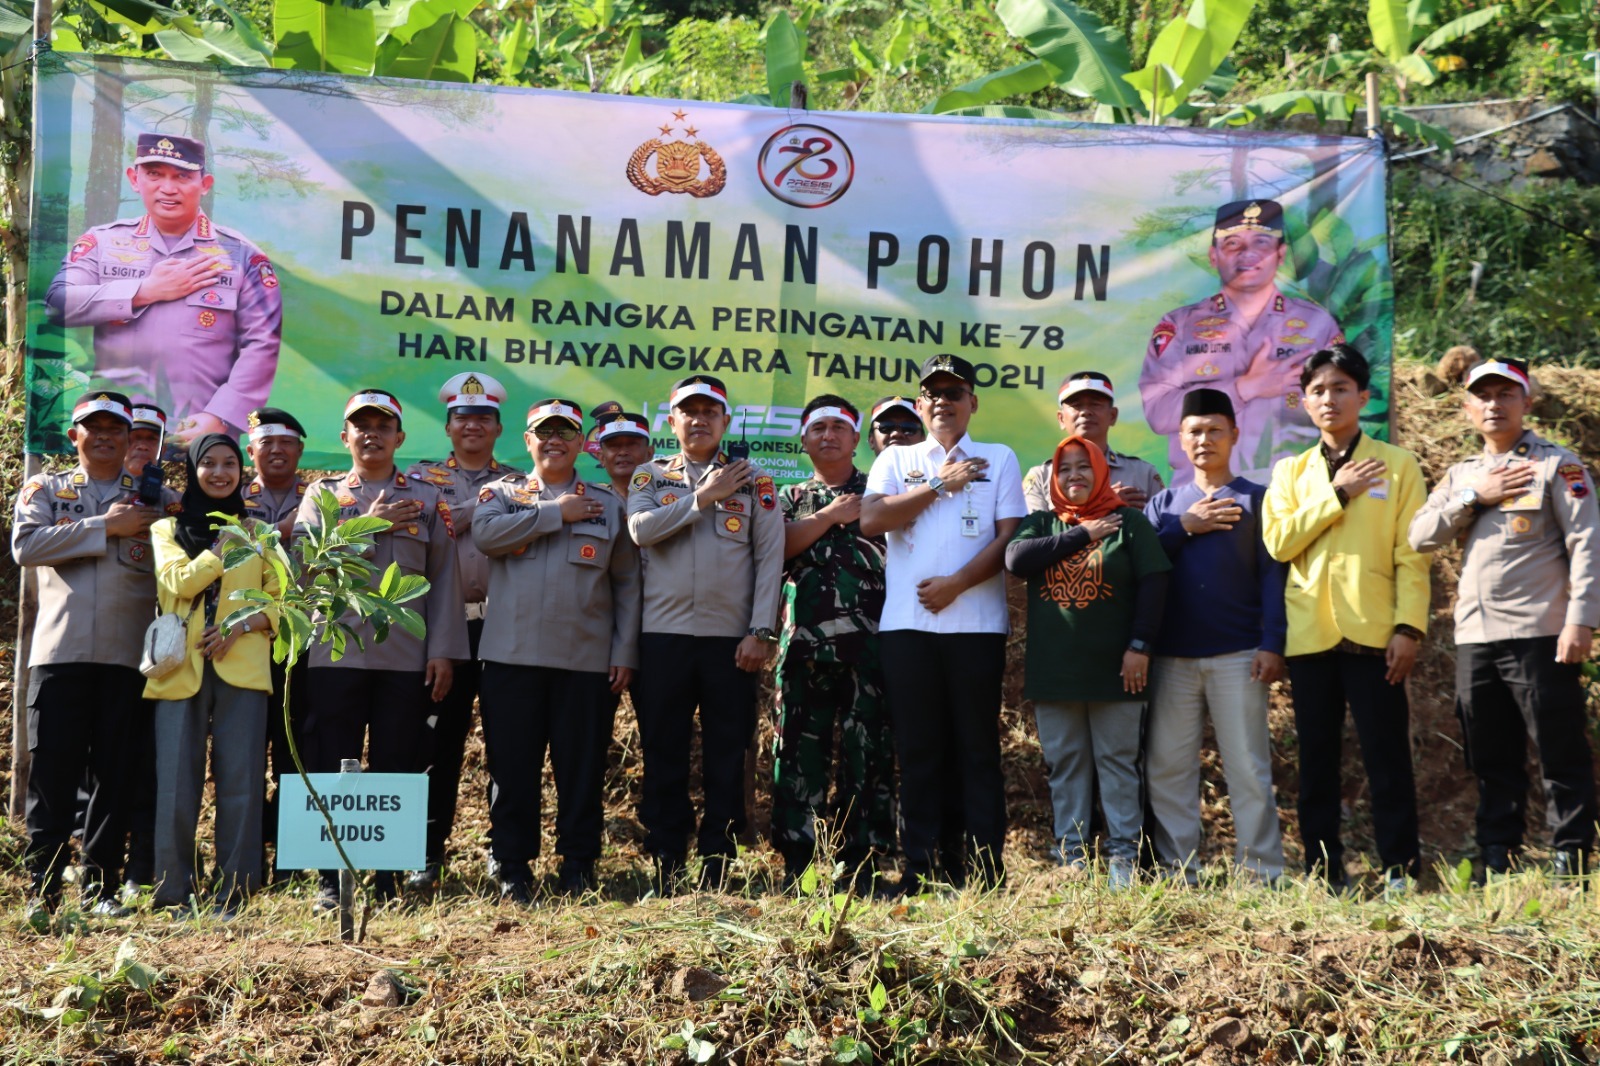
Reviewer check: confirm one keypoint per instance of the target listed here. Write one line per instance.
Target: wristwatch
(936, 483)
(764, 635)
(1140, 646)
(1469, 498)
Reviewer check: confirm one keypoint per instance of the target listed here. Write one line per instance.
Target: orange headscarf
(1101, 502)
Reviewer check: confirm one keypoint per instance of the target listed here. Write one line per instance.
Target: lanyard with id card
(969, 513)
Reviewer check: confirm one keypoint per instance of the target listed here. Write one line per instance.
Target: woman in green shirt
(1097, 580)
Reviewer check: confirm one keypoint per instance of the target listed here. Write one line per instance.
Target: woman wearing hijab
(220, 690)
(1097, 579)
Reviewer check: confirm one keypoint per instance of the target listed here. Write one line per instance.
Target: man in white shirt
(948, 506)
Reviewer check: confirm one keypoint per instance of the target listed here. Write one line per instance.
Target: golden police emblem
(472, 386)
(253, 421)
(208, 319)
(688, 166)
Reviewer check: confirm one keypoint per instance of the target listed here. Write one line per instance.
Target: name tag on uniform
(969, 515)
(1379, 491)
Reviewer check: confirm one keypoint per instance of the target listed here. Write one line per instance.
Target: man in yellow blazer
(1357, 603)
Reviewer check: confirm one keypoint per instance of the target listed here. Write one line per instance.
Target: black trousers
(447, 744)
(526, 709)
(141, 791)
(82, 717)
(1507, 691)
(281, 762)
(388, 709)
(1323, 684)
(944, 699)
(682, 673)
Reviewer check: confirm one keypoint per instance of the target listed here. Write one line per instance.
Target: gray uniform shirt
(97, 593)
(422, 547)
(459, 490)
(1128, 469)
(716, 572)
(1528, 563)
(263, 504)
(565, 595)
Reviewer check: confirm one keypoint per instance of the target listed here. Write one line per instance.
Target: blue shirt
(1226, 593)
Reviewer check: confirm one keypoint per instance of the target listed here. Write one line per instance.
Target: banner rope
(42, 44)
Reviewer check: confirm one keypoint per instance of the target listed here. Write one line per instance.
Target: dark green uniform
(828, 671)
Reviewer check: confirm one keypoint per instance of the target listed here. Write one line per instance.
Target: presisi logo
(806, 166)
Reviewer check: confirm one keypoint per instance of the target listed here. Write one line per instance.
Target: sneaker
(576, 877)
(108, 907)
(1119, 873)
(426, 880)
(1396, 885)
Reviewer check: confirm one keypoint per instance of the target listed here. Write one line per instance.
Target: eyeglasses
(888, 429)
(545, 431)
(954, 394)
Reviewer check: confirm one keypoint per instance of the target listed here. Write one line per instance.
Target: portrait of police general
(1248, 340)
(184, 310)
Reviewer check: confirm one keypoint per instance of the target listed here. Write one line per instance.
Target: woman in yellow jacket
(220, 690)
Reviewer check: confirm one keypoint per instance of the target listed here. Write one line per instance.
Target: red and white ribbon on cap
(831, 412)
(893, 401)
(272, 429)
(149, 416)
(1493, 368)
(93, 405)
(621, 427)
(698, 388)
(381, 400)
(1084, 385)
(555, 410)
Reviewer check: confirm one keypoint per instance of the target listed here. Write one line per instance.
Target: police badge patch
(587, 551)
(485, 495)
(766, 492)
(641, 480)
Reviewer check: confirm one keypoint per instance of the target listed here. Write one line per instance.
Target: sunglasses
(953, 394)
(890, 428)
(545, 431)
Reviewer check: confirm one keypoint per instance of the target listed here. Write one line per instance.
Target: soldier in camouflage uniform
(828, 667)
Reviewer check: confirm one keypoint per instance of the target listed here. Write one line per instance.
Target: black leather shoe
(1569, 863)
(666, 872)
(426, 880)
(1496, 859)
(576, 877)
(516, 891)
(714, 873)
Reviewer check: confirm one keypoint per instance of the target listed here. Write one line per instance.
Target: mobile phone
(739, 449)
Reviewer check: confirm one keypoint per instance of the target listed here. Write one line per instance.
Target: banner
(351, 232)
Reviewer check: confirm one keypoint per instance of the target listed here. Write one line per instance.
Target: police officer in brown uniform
(621, 442)
(714, 535)
(88, 535)
(146, 437)
(276, 443)
(1526, 606)
(1086, 405)
(560, 644)
(472, 422)
(385, 694)
(182, 308)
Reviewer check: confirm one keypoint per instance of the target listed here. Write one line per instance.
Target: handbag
(166, 643)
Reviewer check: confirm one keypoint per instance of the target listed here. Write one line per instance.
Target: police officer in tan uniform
(621, 441)
(472, 421)
(275, 445)
(714, 535)
(1086, 406)
(560, 644)
(1248, 340)
(384, 696)
(88, 535)
(1526, 607)
(182, 308)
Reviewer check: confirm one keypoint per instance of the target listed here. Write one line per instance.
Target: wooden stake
(1374, 115)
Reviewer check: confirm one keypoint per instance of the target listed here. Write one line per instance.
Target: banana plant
(1400, 36)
